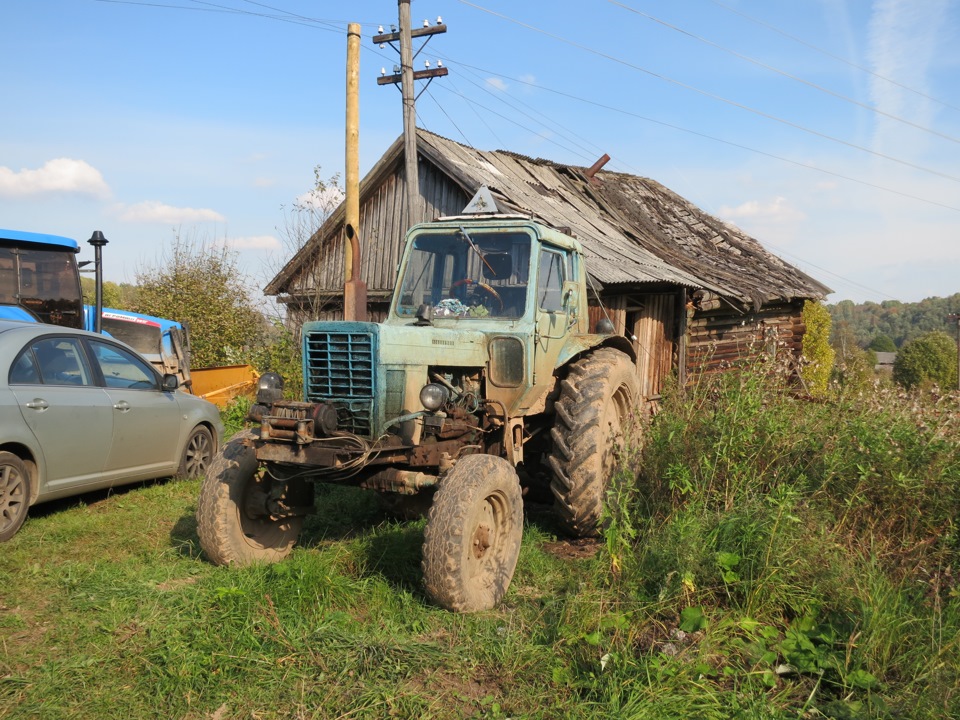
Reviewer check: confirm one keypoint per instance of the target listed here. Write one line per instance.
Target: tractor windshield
(467, 273)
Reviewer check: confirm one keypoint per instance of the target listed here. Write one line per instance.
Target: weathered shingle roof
(633, 229)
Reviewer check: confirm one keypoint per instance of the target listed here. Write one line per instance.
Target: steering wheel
(481, 285)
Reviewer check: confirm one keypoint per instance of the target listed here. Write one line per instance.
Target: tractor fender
(577, 345)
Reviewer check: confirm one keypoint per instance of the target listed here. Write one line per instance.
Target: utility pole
(406, 76)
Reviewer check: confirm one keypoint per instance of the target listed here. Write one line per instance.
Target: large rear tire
(596, 401)
(233, 523)
(472, 539)
(14, 494)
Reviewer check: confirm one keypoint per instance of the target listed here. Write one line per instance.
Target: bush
(816, 348)
(930, 359)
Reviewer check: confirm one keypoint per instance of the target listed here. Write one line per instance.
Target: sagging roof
(633, 229)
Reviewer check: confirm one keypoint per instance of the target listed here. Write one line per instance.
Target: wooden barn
(694, 291)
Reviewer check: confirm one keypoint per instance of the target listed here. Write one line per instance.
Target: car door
(146, 420)
(68, 413)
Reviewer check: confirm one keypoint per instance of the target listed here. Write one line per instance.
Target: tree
(816, 348)
(930, 358)
(120, 296)
(882, 343)
(201, 286)
(305, 217)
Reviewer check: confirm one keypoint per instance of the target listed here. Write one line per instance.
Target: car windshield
(467, 274)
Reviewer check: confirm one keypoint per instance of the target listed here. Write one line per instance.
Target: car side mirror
(170, 382)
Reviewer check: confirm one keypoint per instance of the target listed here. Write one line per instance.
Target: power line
(841, 278)
(713, 96)
(511, 120)
(474, 109)
(834, 56)
(452, 122)
(287, 17)
(714, 139)
(847, 281)
(564, 132)
(785, 74)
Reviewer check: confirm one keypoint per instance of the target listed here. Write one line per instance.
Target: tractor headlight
(434, 396)
(269, 388)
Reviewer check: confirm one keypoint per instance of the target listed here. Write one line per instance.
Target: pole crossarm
(417, 75)
(419, 32)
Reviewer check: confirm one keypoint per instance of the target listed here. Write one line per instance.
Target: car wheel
(197, 454)
(14, 495)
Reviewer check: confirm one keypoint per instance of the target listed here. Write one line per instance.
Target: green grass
(766, 558)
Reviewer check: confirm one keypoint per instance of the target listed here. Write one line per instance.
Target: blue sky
(827, 129)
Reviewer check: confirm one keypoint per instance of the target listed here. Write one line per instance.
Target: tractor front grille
(340, 368)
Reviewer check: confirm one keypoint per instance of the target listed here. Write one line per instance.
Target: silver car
(81, 412)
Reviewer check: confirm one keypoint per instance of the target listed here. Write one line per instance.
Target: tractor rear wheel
(233, 522)
(596, 401)
(472, 539)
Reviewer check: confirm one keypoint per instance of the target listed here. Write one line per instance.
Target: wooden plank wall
(718, 339)
(655, 329)
(652, 319)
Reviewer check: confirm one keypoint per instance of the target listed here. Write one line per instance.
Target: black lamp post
(98, 241)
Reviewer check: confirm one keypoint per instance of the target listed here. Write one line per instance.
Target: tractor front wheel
(473, 533)
(233, 520)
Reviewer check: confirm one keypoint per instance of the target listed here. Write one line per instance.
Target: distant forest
(869, 324)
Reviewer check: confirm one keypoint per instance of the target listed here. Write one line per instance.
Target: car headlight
(269, 388)
(434, 396)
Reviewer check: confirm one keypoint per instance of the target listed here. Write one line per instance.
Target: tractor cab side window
(553, 273)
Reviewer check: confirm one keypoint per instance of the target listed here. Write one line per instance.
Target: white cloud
(254, 242)
(497, 84)
(59, 175)
(153, 211)
(775, 210)
(262, 182)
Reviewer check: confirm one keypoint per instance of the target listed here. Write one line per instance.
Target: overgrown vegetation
(766, 557)
(200, 285)
(818, 355)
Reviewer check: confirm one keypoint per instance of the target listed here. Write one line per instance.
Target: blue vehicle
(39, 279)
(40, 282)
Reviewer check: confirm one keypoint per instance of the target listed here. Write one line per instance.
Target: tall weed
(805, 549)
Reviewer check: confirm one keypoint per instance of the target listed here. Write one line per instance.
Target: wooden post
(354, 291)
(411, 174)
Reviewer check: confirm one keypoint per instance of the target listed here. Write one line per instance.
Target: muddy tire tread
(579, 442)
(449, 531)
(219, 524)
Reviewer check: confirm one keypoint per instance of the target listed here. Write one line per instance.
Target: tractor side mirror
(570, 303)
